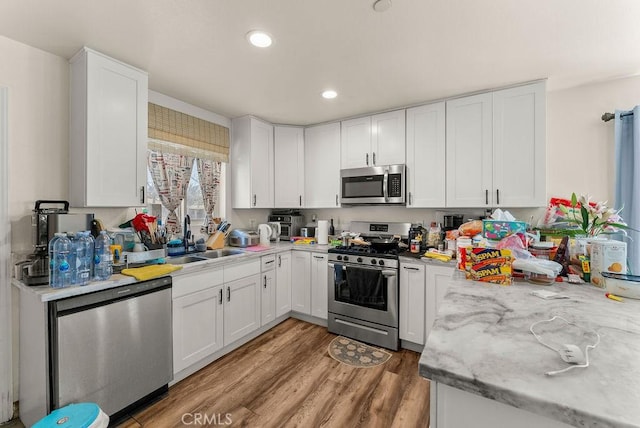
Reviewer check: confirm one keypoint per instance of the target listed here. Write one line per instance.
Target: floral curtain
(170, 173)
(209, 175)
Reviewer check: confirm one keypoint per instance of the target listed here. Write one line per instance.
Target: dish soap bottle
(332, 230)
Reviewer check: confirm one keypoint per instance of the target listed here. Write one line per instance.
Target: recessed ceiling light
(381, 5)
(259, 38)
(329, 94)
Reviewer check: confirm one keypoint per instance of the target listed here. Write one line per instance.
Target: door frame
(6, 310)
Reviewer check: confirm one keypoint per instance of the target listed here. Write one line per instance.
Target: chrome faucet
(186, 232)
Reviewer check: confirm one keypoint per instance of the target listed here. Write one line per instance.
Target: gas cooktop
(366, 250)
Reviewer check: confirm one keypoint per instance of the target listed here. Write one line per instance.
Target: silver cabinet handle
(300, 200)
(497, 196)
(336, 199)
(220, 297)
(142, 194)
(318, 257)
(254, 200)
(265, 281)
(228, 294)
(269, 261)
(367, 157)
(279, 260)
(409, 268)
(486, 196)
(410, 198)
(374, 158)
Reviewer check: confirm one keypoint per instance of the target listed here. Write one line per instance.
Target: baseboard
(310, 319)
(415, 347)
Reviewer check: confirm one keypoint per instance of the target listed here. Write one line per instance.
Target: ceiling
(418, 50)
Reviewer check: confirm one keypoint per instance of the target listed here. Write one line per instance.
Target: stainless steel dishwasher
(111, 347)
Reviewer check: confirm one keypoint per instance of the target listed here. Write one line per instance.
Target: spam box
(487, 265)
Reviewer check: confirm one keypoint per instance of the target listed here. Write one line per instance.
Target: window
(192, 204)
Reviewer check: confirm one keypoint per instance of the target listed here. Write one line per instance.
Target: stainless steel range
(363, 285)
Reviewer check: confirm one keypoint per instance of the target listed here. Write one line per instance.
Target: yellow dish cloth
(149, 272)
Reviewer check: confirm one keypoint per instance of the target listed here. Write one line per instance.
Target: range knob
(373, 261)
(381, 262)
(359, 260)
(345, 258)
(339, 257)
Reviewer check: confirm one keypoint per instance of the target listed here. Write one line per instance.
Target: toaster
(243, 238)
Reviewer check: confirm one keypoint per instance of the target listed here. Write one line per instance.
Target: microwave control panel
(395, 185)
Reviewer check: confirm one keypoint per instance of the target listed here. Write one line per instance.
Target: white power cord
(566, 354)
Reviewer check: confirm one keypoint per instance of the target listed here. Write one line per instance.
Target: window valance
(175, 132)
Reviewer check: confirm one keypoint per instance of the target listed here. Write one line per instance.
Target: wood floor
(285, 377)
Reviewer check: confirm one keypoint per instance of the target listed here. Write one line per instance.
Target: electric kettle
(276, 230)
(265, 232)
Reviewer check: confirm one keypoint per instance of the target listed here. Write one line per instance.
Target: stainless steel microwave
(378, 185)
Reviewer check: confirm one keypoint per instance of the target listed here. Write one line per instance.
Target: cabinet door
(412, 301)
(108, 129)
(388, 138)
(197, 326)
(355, 146)
(426, 147)
(301, 282)
(319, 286)
(283, 284)
(289, 167)
(322, 166)
(261, 164)
(519, 146)
(268, 301)
(242, 307)
(437, 282)
(469, 152)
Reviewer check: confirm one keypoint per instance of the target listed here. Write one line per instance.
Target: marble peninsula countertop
(481, 343)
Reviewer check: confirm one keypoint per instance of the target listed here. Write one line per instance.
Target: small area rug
(356, 354)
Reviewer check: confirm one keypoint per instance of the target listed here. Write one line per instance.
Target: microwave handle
(385, 181)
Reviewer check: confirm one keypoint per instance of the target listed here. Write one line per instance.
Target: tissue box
(487, 264)
(495, 230)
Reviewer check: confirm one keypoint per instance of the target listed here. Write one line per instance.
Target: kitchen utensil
(243, 238)
(276, 230)
(265, 232)
(384, 244)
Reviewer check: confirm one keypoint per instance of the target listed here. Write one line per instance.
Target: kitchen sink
(181, 260)
(214, 254)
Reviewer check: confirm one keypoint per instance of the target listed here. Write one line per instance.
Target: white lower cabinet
(412, 302)
(301, 282)
(268, 290)
(437, 282)
(197, 317)
(283, 284)
(319, 286)
(242, 308)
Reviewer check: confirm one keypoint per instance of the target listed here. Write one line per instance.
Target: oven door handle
(384, 272)
(389, 273)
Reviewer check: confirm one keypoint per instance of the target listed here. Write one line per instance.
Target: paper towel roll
(323, 232)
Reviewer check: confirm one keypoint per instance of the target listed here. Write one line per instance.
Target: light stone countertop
(48, 294)
(481, 343)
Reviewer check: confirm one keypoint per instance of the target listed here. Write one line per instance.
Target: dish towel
(148, 272)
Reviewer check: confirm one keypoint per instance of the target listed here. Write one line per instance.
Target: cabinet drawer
(268, 262)
(194, 282)
(231, 273)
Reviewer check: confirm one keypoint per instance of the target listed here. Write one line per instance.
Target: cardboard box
(607, 256)
(487, 265)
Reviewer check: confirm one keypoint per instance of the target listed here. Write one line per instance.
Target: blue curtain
(627, 140)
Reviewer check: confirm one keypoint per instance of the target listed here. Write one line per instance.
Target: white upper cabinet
(426, 147)
(289, 167)
(373, 140)
(251, 163)
(519, 164)
(496, 149)
(322, 166)
(108, 132)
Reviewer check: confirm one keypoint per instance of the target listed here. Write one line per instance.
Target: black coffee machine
(46, 222)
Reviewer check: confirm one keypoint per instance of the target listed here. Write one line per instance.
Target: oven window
(362, 187)
(361, 287)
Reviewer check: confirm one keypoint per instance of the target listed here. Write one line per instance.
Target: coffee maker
(45, 223)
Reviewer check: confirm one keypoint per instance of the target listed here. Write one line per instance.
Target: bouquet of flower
(592, 218)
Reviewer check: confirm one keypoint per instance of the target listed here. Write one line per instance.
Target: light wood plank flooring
(285, 377)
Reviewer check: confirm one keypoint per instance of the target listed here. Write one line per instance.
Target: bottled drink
(52, 259)
(102, 257)
(332, 230)
(71, 259)
(62, 270)
(84, 258)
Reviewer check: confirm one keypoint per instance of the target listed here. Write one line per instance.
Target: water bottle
(62, 270)
(52, 260)
(84, 258)
(71, 259)
(102, 257)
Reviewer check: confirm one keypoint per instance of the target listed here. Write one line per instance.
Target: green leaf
(574, 200)
(585, 218)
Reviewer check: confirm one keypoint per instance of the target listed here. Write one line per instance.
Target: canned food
(415, 246)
